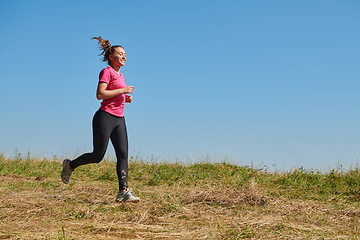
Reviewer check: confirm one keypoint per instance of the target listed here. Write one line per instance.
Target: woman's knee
(97, 158)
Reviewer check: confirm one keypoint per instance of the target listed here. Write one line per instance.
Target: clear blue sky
(261, 82)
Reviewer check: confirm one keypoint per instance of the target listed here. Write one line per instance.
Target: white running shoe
(126, 197)
(66, 172)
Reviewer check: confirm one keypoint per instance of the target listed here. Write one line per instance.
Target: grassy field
(178, 201)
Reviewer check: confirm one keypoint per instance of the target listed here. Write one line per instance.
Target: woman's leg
(119, 140)
(103, 124)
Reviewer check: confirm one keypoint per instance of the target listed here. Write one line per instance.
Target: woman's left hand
(128, 98)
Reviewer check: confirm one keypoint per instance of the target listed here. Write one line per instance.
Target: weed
(61, 235)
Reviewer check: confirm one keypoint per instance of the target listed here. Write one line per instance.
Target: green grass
(297, 184)
(302, 184)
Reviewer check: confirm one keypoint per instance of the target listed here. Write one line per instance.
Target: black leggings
(105, 127)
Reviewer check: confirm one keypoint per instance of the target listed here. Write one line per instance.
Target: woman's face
(118, 58)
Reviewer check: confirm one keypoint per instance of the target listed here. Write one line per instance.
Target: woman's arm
(102, 93)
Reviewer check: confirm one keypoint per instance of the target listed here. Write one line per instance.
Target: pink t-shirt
(114, 105)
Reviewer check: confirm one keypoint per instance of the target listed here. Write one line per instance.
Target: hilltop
(179, 201)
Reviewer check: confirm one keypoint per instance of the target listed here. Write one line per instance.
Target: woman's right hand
(128, 89)
(102, 93)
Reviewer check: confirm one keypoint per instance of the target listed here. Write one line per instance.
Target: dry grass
(41, 207)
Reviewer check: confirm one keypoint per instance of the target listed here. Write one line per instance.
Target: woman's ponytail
(106, 48)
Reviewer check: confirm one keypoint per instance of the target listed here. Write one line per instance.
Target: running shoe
(66, 172)
(126, 197)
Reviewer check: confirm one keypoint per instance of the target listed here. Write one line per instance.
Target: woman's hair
(106, 48)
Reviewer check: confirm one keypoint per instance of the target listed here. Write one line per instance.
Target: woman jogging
(108, 122)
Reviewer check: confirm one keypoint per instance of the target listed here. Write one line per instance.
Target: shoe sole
(120, 201)
(62, 178)
(136, 201)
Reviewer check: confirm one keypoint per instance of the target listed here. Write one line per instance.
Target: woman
(108, 122)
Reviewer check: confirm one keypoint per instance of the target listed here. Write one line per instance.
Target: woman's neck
(116, 68)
